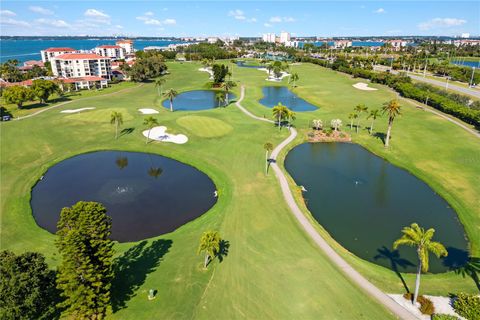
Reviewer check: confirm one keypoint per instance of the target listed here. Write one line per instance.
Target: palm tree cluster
(281, 113)
(356, 115)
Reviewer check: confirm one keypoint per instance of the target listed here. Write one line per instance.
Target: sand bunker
(210, 72)
(160, 134)
(363, 86)
(148, 111)
(75, 110)
(271, 76)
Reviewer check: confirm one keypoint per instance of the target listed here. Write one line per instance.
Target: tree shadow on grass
(126, 131)
(131, 269)
(395, 261)
(224, 248)
(380, 135)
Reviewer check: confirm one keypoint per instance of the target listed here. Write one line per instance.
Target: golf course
(270, 268)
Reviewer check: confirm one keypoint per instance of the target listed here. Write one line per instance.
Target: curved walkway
(71, 101)
(354, 275)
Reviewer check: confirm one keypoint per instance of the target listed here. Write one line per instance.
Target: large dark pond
(146, 195)
(272, 95)
(196, 100)
(364, 201)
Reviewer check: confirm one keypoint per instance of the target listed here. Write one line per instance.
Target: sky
(238, 18)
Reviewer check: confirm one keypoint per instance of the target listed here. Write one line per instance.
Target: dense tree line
(40, 89)
(148, 65)
(9, 72)
(208, 51)
(402, 84)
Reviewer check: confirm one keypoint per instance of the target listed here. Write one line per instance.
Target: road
(348, 270)
(441, 83)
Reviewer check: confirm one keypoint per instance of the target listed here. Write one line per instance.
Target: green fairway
(273, 270)
(99, 116)
(205, 127)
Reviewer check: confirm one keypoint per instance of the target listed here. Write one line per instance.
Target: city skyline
(201, 19)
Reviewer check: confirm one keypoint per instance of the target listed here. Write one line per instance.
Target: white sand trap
(160, 134)
(210, 72)
(75, 110)
(363, 86)
(271, 76)
(148, 111)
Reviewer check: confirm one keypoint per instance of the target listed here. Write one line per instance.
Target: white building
(50, 53)
(397, 45)
(284, 37)
(212, 39)
(113, 52)
(342, 44)
(127, 45)
(465, 35)
(78, 65)
(269, 37)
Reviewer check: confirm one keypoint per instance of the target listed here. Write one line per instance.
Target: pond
(146, 195)
(364, 201)
(272, 95)
(195, 100)
(245, 64)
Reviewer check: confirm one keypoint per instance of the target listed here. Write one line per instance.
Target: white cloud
(149, 20)
(53, 23)
(169, 21)
(13, 22)
(277, 19)
(441, 23)
(252, 20)
(237, 14)
(268, 25)
(40, 10)
(97, 14)
(7, 13)
(148, 13)
(380, 10)
(118, 26)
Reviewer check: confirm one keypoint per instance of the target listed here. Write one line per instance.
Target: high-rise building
(284, 37)
(269, 37)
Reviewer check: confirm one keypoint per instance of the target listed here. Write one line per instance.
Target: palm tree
(210, 244)
(220, 97)
(291, 116)
(227, 86)
(268, 147)
(374, 114)
(392, 108)
(294, 78)
(336, 124)
(170, 94)
(352, 116)
(317, 124)
(150, 122)
(280, 112)
(415, 236)
(269, 68)
(159, 85)
(116, 118)
(359, 109)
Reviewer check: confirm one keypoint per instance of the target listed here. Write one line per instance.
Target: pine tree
(85, 273)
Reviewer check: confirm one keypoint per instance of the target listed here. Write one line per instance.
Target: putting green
(101, 115)
(205, 127)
